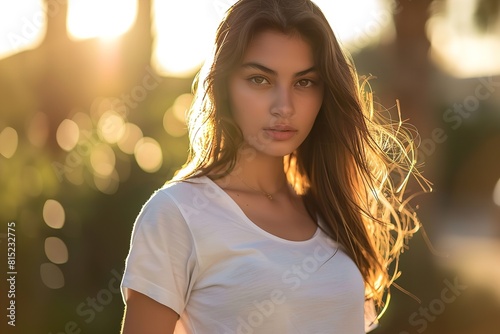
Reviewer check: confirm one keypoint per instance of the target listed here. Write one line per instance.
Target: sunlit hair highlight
(354, 166)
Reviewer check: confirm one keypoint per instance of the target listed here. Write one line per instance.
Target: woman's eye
(305, 83)
(259, 80)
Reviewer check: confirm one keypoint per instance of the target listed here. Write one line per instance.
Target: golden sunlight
(358, 23)
(22, 25)
(184, 30)
(183, 34)
(103, 19)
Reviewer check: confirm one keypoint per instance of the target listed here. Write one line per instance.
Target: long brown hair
(353, 167)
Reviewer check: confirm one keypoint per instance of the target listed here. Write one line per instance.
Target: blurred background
(92, 102)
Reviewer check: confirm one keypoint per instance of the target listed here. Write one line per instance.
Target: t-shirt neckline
(237, 209)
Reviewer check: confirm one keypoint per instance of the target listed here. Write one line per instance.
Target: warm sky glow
(97, 18)
(357, 22)
(22, 25)
(184, 30)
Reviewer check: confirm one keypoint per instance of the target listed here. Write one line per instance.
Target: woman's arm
(145, 315)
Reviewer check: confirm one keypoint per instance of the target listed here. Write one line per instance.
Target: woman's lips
(281, 132)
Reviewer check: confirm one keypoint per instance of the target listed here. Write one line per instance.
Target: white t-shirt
(195, 251)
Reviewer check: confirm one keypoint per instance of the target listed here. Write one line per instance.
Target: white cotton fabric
(195, 251)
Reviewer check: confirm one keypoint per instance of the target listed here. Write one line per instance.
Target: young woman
(290, 208)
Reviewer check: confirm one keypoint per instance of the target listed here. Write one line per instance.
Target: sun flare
(103, 19)
(184, 30)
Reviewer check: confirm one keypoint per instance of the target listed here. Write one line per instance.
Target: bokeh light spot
(67, 134)
(51, 275)
(103, 159)
(172, 125)
(82, 120)
(148, 154)
(100, 105)
(53, 214)
(111, 126)
(56, 250)
(131, 135)
(8, 142)
(181, 105)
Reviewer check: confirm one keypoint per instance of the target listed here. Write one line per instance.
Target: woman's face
(276, 92)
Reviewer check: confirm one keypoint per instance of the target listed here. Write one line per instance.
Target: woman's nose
(283, 103)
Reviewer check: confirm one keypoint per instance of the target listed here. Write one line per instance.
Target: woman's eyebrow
(269, 71)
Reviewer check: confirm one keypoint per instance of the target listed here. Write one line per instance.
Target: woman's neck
(259, 171)
(256, 173)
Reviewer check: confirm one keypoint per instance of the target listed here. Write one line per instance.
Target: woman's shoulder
(190, 201)
(169, 203)
(181, 193)
(180, 187)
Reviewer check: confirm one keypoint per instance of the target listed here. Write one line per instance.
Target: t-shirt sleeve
(162, 262)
